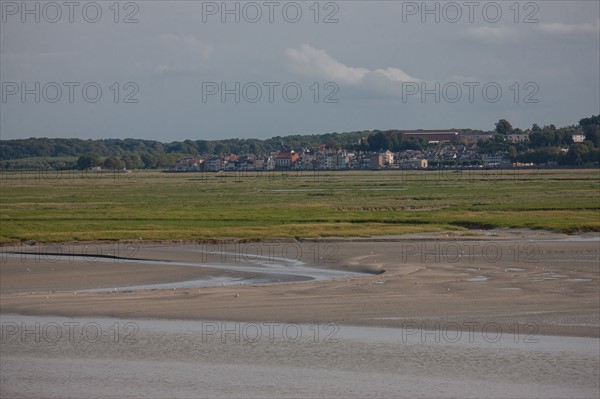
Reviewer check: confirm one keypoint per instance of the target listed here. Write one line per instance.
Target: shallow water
(479, 279)
(270, 270)
(64, 357)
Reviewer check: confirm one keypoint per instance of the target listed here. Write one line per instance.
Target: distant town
(504, 147)
(443, 147)
(433, 148)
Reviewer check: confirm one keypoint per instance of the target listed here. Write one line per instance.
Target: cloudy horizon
(200, 70)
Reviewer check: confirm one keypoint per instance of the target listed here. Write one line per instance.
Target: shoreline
(542, 279)
(446, 235)
(530, 330)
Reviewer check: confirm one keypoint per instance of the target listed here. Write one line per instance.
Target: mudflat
(531, 281)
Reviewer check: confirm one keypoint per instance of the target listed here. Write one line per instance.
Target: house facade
(286, 160)
(188, 164)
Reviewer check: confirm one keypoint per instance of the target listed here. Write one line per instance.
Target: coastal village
(445, 147)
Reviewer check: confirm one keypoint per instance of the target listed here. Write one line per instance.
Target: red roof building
(286, 160)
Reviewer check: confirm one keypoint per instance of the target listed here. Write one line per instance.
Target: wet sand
(541, 282)
(108, 357)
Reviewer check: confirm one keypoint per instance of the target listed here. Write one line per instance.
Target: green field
(54, 206)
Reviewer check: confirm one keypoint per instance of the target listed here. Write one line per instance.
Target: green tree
(593, 134)
(576, 154)
(133, 161)
(503, 127)
(149, 160)
(113, 163)
(88, 160)
(593, 120)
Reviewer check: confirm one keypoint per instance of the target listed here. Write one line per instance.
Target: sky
(176, 70)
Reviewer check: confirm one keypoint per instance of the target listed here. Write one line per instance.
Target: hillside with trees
(547, 144)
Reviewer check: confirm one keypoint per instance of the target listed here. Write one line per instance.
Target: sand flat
(548, 280)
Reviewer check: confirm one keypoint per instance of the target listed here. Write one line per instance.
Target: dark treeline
(45, 147)
(547, 144)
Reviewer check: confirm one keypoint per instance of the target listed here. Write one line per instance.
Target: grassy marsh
(62, 206)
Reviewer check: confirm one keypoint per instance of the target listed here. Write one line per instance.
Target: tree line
(546, 144)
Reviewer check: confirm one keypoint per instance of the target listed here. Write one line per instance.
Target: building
(286, 160)
(414, 164)
(259, 163)
(432, 136)
(496, 160)
(577, 136)
(188, 164)
(388, 157)
(518, 138)
(475, 138)
(341, 161)
(246, 163)
(325, 161)
(214, 164)
(377, 161)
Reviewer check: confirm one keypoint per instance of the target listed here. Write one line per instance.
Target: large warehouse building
(436, 136)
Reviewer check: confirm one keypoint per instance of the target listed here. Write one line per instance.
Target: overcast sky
(170, 70)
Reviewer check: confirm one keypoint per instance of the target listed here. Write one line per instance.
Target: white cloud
(489, 34)
(181, 55)
(187, 43)
(316, 62)
(567, 29)
(312, 61)
(397, 75)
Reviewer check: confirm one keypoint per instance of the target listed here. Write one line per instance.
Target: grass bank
(61, 206)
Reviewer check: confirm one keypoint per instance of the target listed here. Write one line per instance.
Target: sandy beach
(538, 282)
(495, 314)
